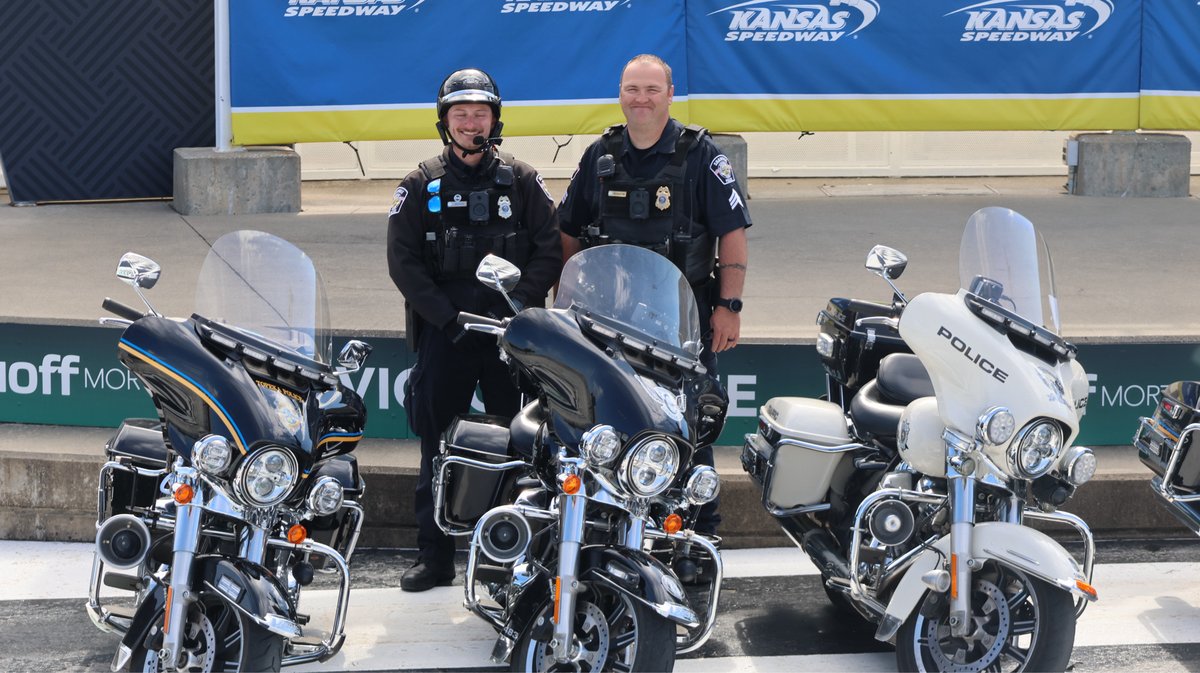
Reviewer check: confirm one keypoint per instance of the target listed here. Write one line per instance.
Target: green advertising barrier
(69, 375)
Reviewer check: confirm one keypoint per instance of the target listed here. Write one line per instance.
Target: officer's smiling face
(645, 95)
(465, 121)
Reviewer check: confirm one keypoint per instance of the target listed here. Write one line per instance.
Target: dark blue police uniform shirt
(709, 181)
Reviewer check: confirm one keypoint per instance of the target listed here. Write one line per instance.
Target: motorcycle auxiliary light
(703, 486)
(212, 454)
(997, 425)
(600, 445)
(1080, 465)
(326, 496)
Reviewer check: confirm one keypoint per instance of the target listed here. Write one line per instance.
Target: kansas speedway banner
(1171, 65)
(337, 70)
(905, 65)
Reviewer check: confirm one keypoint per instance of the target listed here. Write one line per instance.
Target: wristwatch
(734, 304)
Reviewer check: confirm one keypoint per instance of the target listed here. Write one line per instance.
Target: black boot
(424, 576)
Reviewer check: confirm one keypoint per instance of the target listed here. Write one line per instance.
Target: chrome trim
(1089, 543)
(1164, 487)
(693, 639)
(333, 642)
(573, 509)
(769, 470)
(858, 592)
(442, 462)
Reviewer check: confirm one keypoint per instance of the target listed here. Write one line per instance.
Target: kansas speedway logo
(1024, 21)
(340, 8)
(776, 21)
(560, 6)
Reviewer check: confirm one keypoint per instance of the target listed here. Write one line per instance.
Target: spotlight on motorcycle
(123, 541)
(600, 445)
(503, 534)
(703, 486)
(892, 522)
(1080, 465)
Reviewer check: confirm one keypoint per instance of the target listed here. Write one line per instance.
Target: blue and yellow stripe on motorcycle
(186, 381)
(339, 437)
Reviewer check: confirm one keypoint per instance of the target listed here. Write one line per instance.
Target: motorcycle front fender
(1026, 549)
(149, 614)
(641, 577)
(251, 589)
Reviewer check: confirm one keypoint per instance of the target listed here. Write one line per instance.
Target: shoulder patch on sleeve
(542, 184)
(723, 169)
(398, 200)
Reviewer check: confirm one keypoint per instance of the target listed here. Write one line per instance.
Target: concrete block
(733, 146)
(241, 182)
(1132, 164)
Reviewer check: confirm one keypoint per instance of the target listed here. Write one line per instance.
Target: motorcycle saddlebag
(1157, 438)
(138, 442)
(469, 491)
(799, 445)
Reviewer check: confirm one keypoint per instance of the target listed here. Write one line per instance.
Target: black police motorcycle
(1164, 444)
(565, 502)
(214, 515)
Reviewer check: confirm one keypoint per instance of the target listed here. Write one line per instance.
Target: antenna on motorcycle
(888, 264)
(140, 272)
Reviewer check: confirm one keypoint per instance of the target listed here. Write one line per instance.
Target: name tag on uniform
(616, 194)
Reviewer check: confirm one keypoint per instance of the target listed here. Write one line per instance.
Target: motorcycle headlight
(267, 477)
(703, 486)
(1080, 465)
(600, 445)
(649, 467)
(326, 496)
(211, 454)
(997, 425)
(1035, 449)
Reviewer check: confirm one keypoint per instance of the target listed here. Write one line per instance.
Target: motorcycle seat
(877, 407)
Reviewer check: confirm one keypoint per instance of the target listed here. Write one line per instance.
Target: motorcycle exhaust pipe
(123, 542)
(504, 534)
(821, 548)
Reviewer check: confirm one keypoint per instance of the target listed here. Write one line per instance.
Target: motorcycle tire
(212, 627)
(1038, 621)
(644, 640)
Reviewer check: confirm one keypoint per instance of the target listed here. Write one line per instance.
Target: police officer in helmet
(447, 215)
(658, 184)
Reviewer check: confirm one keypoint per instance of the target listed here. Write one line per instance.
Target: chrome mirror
(138, 270)
(353, 355)
(498, 273)
(886, 262)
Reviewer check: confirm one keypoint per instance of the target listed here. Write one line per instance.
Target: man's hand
(726, 329)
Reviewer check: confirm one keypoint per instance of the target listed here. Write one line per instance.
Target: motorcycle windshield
(1004, 261)
(261, 285)
(635, 290)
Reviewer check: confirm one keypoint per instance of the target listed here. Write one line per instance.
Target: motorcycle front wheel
(1020, 624)
(614, 632)
(217, 638)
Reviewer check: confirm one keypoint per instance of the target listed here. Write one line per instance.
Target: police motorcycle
(564, 502)
(213, 516)
(1164, 444)
(913, 499)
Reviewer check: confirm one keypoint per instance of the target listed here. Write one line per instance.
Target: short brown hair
(648, 58)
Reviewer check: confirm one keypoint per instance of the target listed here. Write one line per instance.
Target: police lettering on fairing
(776, 21)
(1021, 21)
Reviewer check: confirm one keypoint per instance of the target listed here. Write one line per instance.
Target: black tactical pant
(441, 387)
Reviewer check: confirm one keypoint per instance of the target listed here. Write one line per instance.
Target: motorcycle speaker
(123, 541)
(503, 534)
(892, 522)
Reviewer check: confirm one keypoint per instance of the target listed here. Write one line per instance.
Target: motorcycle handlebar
(465, 318)
(117, 308)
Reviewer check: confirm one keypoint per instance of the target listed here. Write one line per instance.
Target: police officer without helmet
(447, 215)
(655, 183)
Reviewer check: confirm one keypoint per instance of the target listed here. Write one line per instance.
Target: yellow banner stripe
(1171, 112)
(188, 384)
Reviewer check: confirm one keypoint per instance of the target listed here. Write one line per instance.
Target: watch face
(735, 305)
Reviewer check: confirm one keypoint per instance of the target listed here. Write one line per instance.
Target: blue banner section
(1171, 52)
(388, 53)
(997, 48)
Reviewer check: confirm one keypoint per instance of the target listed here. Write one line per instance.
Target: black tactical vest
(472, 220)
(650, 213)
